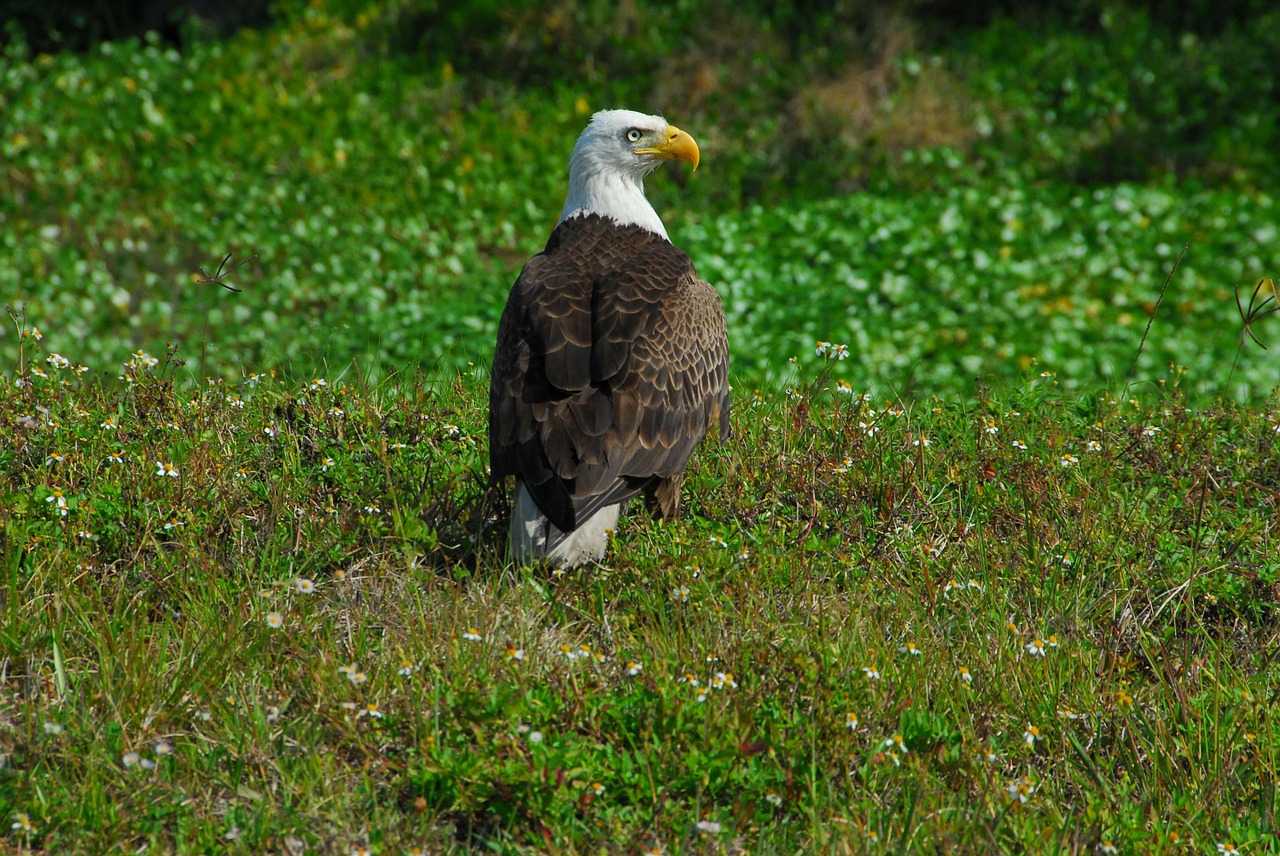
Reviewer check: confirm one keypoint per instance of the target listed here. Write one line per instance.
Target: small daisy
(59, 501)
(130, 759)
(1021, 789)
(22, 823)
(275, 620)
(596, 788)
(895, 742)
(1018, 444)
(910, 648)
(1107, 847)
(407, 668)
(721, 680)
(514, 653)
(1093, 446)
(1069, 459)
(55, 458)
(921, 440)
(964, 674)
(304, 585)
(472, 635)
(1036, 647)
(1227, 847)
(822, 348)
(872, 673)
(634, 668)
(371, 709)
(992, 428)
(772, 799)
(164, 748)
(708, 827)
(166, 469)
(52, 728)
(326, 464)
(1031, 735)
(843, 387)
(535, 736)
(851, 721)
(1150, 431)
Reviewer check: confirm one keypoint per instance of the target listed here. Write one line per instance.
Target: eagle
(612, 358)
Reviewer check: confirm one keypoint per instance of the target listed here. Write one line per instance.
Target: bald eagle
(612, 360)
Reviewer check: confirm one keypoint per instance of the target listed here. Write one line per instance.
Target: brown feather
(611, 365)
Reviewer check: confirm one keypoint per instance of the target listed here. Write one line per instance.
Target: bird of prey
(612, 360)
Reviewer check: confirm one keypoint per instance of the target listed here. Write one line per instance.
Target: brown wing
(611, 365)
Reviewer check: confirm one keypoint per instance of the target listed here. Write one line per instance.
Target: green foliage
(254, 593)
(272, 615)
(1138, 99)
(386, 215)
(928, 290)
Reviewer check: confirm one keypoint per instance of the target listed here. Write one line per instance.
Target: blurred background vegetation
(1137, 88)
(392, 163)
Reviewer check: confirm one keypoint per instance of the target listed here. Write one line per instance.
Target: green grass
(254, 590)
(814, 549)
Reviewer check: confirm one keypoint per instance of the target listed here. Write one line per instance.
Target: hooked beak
(677, 145)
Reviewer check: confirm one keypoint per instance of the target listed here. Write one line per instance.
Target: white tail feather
(530, 532)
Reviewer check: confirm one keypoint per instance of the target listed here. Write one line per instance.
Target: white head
(612, 157)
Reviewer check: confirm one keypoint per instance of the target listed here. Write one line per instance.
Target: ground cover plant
(386, 204)
(989, 563)
(275, 616)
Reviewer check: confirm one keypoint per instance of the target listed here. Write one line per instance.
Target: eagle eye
(634, 135)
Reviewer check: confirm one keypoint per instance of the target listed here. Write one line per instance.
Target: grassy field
(1004, 580)
(276, 617)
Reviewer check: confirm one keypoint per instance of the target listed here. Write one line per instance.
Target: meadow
(989, 562)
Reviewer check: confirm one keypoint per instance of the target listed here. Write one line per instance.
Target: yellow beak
(678, 146)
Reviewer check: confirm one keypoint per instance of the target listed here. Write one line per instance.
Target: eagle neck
(617, 196)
